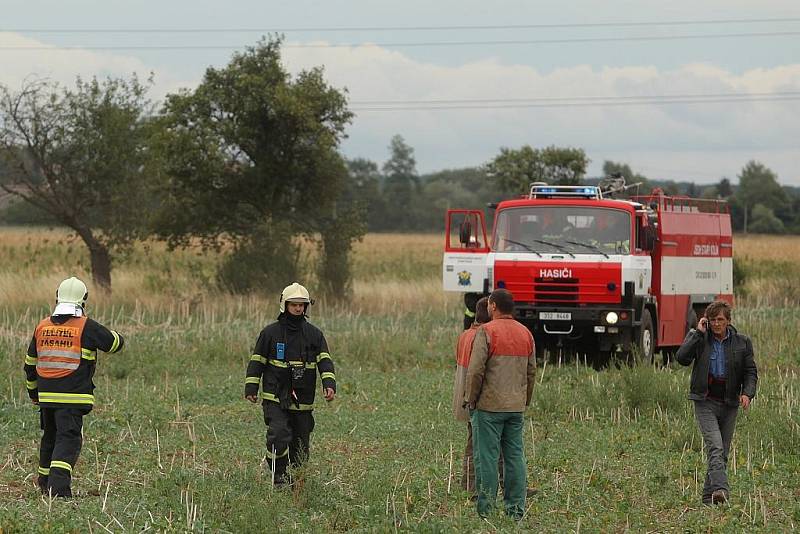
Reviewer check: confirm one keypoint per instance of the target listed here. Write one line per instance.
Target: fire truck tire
(645, 337)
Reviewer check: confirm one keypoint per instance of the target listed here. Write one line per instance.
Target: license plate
(555, 316)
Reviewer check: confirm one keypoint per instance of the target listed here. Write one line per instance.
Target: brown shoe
(719, 497)
(530, 492)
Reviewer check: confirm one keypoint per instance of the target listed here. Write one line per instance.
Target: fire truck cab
(593, 275)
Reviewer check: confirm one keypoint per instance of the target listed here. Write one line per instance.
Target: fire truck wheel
(646, 338)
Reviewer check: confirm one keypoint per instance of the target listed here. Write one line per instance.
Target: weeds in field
(172, 446)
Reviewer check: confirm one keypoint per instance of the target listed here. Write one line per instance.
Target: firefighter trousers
(59, 449)
(288, 439)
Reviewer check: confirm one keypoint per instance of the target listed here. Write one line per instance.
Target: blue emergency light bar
(539, 190)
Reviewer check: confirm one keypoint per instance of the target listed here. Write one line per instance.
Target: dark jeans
(716, 421)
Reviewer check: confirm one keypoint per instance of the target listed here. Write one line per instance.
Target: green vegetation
(173, 446)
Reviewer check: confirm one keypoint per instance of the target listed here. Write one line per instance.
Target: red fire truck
(594, 275)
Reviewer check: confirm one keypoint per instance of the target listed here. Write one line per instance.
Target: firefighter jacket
(61, 360)
(463, 353)
(288, 355)
(740, 368)
(502, 367)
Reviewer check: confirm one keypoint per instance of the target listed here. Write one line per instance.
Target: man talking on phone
(724, 377)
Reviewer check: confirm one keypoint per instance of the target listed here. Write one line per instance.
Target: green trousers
(493, 432)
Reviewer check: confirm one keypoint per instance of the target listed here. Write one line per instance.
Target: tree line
(249, 164)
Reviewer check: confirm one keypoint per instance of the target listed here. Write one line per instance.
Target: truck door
(464, 268)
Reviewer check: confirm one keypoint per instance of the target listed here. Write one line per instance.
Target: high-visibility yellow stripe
(276, 456)
(322, 356)
(44, 470)
(66, 398)
(31, 360)
(115, 344)
(252, 380)
(269, 396)
(258, 358)
(469, 313)
(30, 384)
(61, 465)
(328, 375)
(87, 354)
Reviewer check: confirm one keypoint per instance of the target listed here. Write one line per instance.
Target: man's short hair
(716, 307)
(503, 299)
(482, 311)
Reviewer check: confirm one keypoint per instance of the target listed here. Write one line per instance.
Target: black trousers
(59, 448)
(288, 439)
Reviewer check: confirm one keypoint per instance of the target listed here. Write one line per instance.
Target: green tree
(252, 159)
(400, 185)
(84, 156)
(758, 185)
(724, 188)
(365, 187)
(514, 170)
(764, 221)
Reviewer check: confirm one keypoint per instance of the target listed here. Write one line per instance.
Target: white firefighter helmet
(71, 296)
(294, 293)
(72, 291)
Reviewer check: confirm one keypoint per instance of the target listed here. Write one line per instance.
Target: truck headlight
(612, 317)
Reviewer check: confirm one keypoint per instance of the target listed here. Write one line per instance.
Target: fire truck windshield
(580, 229)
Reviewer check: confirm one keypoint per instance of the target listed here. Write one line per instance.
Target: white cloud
(707, 139)
(63, 66)
(730, 133)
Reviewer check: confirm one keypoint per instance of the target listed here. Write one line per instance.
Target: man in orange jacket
(500, 380)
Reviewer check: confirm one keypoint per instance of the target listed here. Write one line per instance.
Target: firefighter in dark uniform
(287, 356)
(470, 301)
(59, 368)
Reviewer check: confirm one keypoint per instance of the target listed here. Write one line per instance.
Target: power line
(609, 24)
(577, 104)
(417, 44)
(575, 98)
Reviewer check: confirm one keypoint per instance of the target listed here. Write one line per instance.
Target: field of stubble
(173, 446)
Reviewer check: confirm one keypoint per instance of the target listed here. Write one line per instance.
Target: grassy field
(172, 446)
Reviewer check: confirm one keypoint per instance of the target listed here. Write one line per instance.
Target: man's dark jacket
(740, 367)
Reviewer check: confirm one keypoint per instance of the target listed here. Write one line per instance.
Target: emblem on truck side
(464, 278)
(555, 273)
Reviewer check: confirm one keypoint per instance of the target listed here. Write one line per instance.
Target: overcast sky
(505, 81)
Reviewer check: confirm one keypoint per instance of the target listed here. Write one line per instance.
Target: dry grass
(393, 273)
(768, 247)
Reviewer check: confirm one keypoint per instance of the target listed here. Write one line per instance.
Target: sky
(463, 78)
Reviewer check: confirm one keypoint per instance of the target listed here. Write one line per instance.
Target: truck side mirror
(465, 233)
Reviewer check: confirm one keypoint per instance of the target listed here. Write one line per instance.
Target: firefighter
(59, 368)
(470, 300)
(287, 356)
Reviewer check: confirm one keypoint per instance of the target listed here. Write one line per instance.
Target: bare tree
(84, 156)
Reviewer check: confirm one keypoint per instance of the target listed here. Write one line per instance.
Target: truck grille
(555, 290)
